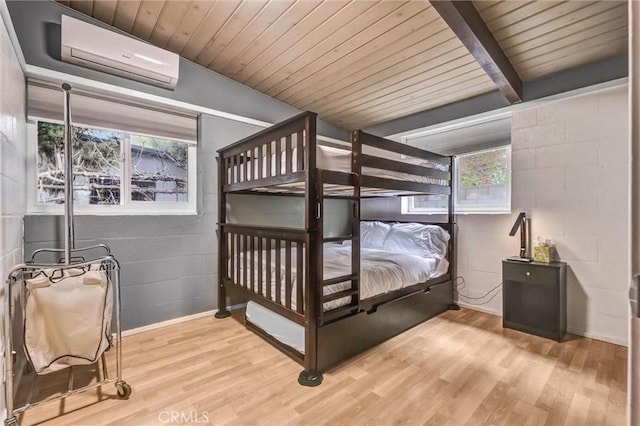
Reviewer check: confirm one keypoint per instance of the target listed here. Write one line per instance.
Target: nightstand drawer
(528, 273)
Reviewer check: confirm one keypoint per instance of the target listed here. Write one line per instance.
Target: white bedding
(381, 271)
(339, 160)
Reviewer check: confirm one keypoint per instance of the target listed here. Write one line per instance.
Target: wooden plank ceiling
(360, 63)
(544, 37)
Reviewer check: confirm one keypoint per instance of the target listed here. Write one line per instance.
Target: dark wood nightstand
(534, 298)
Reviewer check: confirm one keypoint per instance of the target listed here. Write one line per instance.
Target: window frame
(127, 206)
(408, 208)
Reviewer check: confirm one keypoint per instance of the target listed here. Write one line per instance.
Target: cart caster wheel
(11, 421)
(124, 390)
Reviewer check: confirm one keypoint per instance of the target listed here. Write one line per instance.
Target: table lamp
(524, 224)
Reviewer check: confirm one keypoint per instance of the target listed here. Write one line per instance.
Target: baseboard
(572, 330)
(596, 336)
(479, 308)
(168, 323)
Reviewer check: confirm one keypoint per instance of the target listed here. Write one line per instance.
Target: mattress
(339, 160)
(381, 271)
(283, 329)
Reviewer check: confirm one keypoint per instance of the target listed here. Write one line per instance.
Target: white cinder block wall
(12, 152)
(12, 161)
(571, 171)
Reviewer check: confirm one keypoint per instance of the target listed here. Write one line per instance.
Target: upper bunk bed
(281, 159)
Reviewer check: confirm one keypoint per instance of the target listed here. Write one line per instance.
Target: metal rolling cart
(80, 264)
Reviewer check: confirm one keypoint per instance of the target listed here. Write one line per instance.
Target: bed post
(453, 267)
(313, 200)
(222, 240)
(356, 170)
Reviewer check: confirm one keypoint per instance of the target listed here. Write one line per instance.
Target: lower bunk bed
(402, 284)
(383, 271)
(404, 280)
(393, 264)
(324, 299)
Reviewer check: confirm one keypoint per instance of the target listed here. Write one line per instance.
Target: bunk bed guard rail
(274, 156)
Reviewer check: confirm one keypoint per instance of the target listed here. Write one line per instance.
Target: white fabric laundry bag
(68, 317)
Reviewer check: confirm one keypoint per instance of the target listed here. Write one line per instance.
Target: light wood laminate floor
(459, 368)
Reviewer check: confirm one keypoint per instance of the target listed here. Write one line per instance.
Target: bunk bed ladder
(353, 291)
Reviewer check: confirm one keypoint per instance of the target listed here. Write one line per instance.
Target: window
(482, 185)
(130, 154)
(114, 171)
(158, 170)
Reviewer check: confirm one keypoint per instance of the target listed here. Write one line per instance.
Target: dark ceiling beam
(465, 21)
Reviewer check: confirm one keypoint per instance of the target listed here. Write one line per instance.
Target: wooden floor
(458, 368)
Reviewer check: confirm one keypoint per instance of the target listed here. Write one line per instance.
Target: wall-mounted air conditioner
(94, 47)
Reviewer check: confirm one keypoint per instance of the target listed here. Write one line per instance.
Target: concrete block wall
(168, 263)
(570, 173)
(12, 152)
(12, 165)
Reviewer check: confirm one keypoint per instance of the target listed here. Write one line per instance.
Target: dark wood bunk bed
(250, 166)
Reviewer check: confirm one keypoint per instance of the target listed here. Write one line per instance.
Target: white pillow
(416, 238)
(373, 234)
